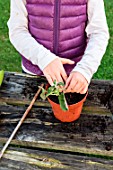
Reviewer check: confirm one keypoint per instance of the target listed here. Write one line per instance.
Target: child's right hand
(55, 70)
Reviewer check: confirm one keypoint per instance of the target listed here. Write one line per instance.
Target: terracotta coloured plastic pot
(73, 112)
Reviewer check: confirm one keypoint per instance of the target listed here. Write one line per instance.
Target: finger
(84, 90)
(56, 78)
(68, 82)
(49, 79)
(78, 87)
(66, 61)
(63, 75)
(59, 79)
(71, 88)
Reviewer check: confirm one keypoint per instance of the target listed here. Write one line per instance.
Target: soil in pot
(71, 98)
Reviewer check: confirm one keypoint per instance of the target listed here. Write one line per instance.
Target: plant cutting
(55, 90)
(66, 107)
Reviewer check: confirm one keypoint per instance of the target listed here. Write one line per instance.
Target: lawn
(10, 59)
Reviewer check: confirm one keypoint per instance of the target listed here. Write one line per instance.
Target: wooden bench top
(42, 141)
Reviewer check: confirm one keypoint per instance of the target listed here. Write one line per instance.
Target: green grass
(11, 61)
(105, 70)
(9, 57)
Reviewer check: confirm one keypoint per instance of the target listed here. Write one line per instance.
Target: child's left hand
(76, 82)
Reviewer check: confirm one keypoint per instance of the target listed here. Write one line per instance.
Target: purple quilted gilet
(59, 25)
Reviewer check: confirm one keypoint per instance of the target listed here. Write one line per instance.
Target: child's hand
(76, 82)
(55, 70)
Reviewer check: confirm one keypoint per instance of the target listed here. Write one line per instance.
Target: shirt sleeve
(98, 36)
(22, 40)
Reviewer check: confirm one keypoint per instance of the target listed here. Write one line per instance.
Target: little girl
(64, 40)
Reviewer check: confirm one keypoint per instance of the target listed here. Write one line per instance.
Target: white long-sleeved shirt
(96, 31)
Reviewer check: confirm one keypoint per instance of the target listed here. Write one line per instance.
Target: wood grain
(42, 134)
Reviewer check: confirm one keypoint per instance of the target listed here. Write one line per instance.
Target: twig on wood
(20, 122)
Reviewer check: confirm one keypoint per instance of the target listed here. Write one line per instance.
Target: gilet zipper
(56, 26)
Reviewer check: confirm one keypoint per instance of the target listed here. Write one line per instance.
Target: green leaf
(1, 76)
(55, 90)
(60, 84)
(63, 102)
(50, 89)
(43, 96)
(43, 90)
(43, 93)
(55, 83)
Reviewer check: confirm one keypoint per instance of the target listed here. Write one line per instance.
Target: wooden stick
(20, 122)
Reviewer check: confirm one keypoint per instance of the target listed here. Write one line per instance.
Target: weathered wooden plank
(20, 158)
(101, 92)
(19, 89)
(90, 134)
(91, 108)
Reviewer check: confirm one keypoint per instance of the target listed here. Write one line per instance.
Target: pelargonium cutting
(57, 90)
